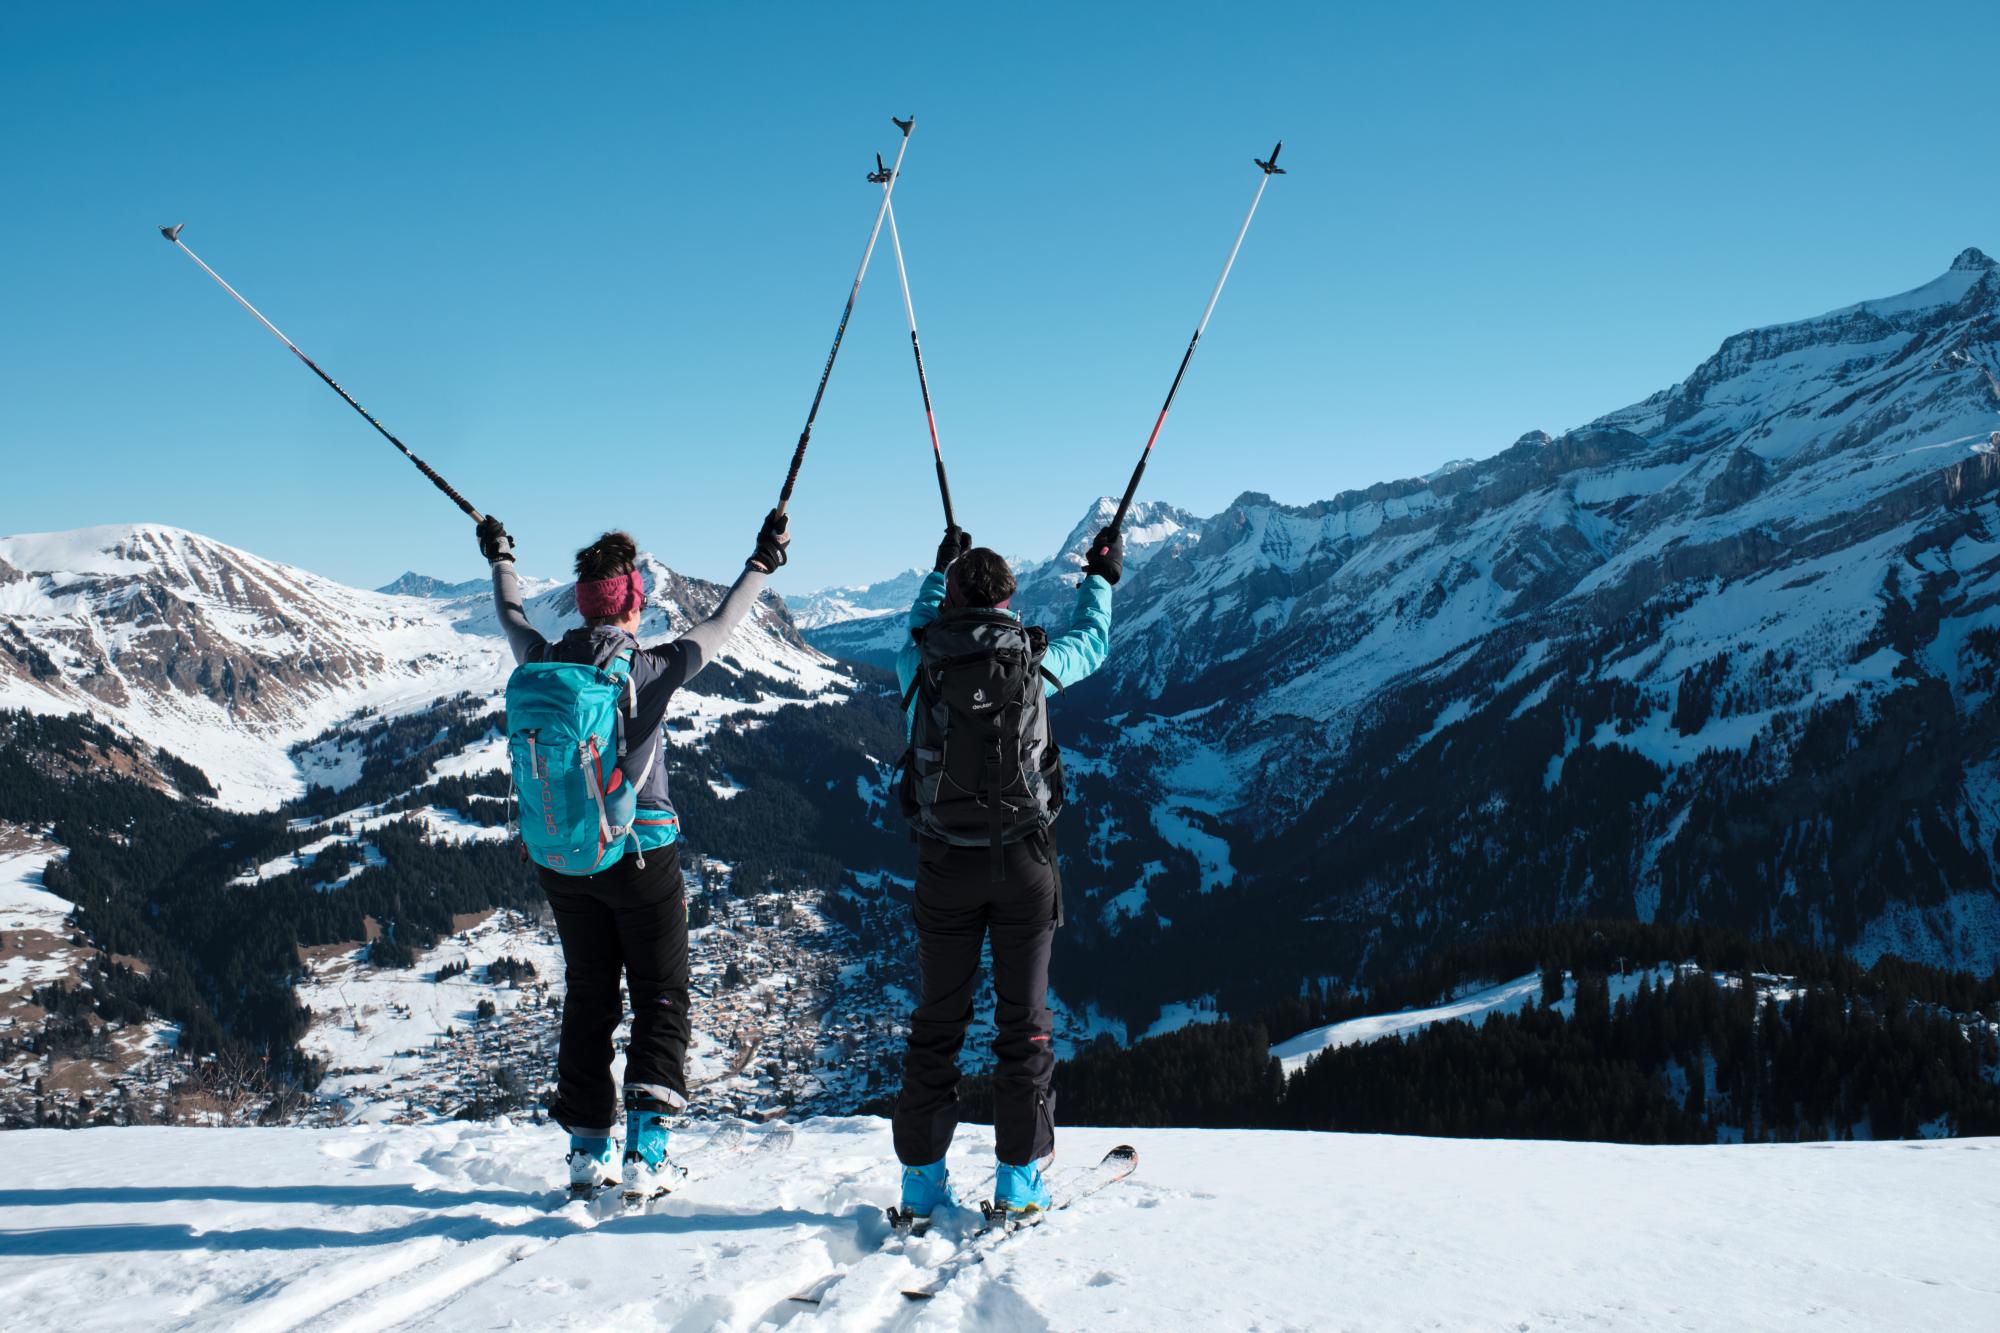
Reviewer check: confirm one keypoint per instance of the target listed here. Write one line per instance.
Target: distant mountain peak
(413, 584)
(1973, 259)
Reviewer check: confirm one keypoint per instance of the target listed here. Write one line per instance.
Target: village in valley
(472, 1030)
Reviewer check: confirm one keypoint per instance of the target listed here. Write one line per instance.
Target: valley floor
(458, 1225)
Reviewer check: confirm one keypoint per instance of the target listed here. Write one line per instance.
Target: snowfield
(1507, 998)
(457, 1226)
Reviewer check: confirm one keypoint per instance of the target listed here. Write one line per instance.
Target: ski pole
(886, 178)
(923, 384)
(1270, 168)
(173, 234)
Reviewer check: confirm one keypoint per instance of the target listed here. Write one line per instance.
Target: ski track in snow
(459, 1226)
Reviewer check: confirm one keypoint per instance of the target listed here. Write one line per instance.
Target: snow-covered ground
(34, 934)
(1507, 998)
(457, 1226)
(380, 1029)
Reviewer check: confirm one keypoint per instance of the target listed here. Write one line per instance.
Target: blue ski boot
(648, 1173)
(1020, 1195)
(925, 1190)
(590, 1164)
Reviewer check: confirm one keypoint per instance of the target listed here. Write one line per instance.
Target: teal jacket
(1072, 655)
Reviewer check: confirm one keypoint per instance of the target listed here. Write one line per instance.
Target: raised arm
(1082, 648)
(699, 646)
(498, 548)
(695, 649)
(930, 596)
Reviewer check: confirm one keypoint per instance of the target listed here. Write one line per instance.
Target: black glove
(1106, 556)
(772, 539)
(957, 541)
(494, 543)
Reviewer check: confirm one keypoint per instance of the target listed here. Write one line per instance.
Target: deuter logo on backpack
(982, 769)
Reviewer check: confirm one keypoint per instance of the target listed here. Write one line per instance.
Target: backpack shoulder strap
(630, 693)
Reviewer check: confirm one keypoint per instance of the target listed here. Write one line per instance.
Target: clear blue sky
(587, 259)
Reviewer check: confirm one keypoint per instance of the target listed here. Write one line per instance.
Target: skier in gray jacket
(630, 919)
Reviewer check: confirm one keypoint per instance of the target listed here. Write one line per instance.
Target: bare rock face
(1742, 475)
(154, 612)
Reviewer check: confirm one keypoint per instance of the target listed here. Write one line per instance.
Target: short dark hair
(610, 556)
(982, 577)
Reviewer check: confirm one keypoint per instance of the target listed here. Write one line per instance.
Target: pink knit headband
(611, 598)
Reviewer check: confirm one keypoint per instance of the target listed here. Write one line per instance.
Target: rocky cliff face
(1726, 654)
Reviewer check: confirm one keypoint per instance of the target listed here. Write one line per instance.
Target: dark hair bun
(609, 556)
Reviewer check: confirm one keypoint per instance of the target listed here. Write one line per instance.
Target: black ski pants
(632, 923)
(959, 902)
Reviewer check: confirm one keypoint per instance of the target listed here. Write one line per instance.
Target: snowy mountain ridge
(231, 660)
(1428, 683)
(1728, 655)
(867, 624)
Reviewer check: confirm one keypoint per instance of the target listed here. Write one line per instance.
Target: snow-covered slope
(1506, 998)
(230, 660)
(215, 654)
(1729, 654)
(834, 606)
(456, 1226)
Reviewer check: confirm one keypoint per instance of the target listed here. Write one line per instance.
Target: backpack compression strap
(607, 830)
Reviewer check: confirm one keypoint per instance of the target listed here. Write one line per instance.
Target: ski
(1119, 1163)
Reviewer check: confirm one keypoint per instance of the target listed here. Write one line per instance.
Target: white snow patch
(1507, 998)
(455, 1225)
(1173, 1017)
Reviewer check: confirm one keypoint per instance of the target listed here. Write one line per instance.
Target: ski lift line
(923, 382)
(173, 235)
(1269, 167)
(886, 177)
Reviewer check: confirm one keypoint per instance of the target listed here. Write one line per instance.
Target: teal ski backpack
(566, 740)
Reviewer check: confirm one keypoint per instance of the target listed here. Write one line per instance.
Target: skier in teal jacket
(979, 734)
(1071, 656)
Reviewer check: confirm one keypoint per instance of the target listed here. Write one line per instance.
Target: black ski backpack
(982, 769)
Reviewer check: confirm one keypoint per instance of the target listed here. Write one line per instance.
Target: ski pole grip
(792, 473)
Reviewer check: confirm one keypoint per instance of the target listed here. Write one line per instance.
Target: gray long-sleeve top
(656, 672)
